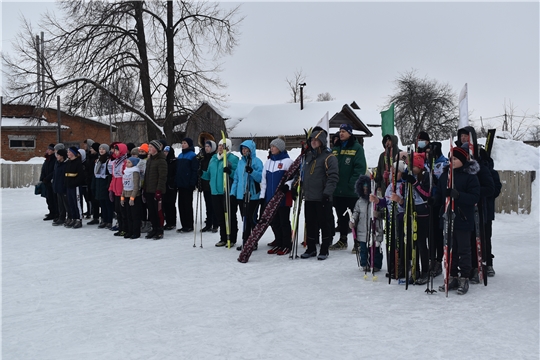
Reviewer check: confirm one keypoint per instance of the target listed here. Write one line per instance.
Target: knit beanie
(157, 144)
(422, 135)
(461, 154)
(89, 142)
(279, 143)
(189, 141)
(134, 160)
(212, 144)
(95, 146)
(135, 151)
(418, 160)
(59, 146)
(50, 147)
(228, 144)
(347, 127)
(167, 148)
(105, 147)
(144, 147)
(74, 151)
(62, 153)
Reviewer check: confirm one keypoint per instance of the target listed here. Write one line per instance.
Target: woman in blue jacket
(186, 178)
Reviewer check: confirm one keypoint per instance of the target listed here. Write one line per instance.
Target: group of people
(142, 187)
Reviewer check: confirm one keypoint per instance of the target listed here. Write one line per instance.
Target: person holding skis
(465, 193)
(386, 158)
(246, 187)
(169, 198)
(274, 168)
(186, 179)
(214, 175)
(155, 180)
(352, 163)
(131, 199)
(321, 177)
(360, 222)
(211, 218)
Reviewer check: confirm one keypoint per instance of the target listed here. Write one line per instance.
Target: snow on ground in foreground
(85, 294)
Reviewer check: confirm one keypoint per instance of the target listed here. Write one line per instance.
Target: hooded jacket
(214, 173)
(384, 162)
(361, 215)
(351, 164)
(187, 166)
(241, 178)
(321, 171)
(116, 168)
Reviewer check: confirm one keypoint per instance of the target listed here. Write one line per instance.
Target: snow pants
(318, 216)
(341, 204)
(218, 202)
(461, 253)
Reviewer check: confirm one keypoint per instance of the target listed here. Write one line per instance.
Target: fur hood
(359, 185)
(472, 167)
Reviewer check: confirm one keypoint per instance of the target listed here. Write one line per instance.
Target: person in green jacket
(352, 164)
(214, 174)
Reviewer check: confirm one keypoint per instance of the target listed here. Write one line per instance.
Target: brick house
(26, 131)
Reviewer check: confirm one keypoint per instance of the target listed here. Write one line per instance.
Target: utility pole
(302, 95)
(59, 119)
(42, 67)
(38, 68)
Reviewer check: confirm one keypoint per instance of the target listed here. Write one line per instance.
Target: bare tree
(169, 50)
(514, 126)
(325, 97)
(294, 86)
(423, 105)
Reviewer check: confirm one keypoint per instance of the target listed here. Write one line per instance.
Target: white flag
(463, 108)
(325, 124)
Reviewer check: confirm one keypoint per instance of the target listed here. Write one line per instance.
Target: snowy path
(85, 294)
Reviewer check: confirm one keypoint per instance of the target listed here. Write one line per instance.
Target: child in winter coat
(116, 167)
(361, 221)
(465, 194)
(248, 176)
(131, 199)
(74, 187)
(100, 186)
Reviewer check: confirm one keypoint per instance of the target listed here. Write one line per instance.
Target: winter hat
(461, 154)
(419, 159)
(279, 143)
(83, 154)
(163, 143)
(156, 144)
(228, 144)
(134, 160)
(422, 135)
(74, 150)
(105, 147)
(62, 153)
(89, 142)
(59, 146)
(50, 147)
(167, 148)
(130, 146)
(189, 141)
(347, 127)
(401, 167)
(135, 151)
(212, 144)
(144, 147)
(95, 146)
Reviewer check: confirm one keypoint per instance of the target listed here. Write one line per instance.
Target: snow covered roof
(29, 122)
(288, 119)
(232, 113)
(117, 118)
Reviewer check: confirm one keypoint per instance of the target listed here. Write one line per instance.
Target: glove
(249, 169)
(111, 196)
(351, 225)
(227, 170)
(131, 201)
(453, 193)
(158, 195)
(410, 179)
(386, 175)
(122, 201)
(326, 198)
(284, 188)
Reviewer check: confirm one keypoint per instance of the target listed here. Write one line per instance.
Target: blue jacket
(187, 166)
(241, 178)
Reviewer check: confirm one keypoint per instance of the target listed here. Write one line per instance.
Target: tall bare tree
(423, 105)
(294, 86)
(170, 49)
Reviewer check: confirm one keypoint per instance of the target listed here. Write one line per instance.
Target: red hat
(419, 160)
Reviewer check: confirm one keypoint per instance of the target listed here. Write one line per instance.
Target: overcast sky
(355, 50)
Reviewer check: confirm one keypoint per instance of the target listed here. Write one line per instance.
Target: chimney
(302, 95)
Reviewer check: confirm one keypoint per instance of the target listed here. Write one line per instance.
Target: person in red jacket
(117, 166)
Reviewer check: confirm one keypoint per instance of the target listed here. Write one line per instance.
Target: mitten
(249, 169)
(453, 193)
(410, 179)
(227, 170)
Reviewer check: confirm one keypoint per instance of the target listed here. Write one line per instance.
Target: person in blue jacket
(246, 187)
(187, 166)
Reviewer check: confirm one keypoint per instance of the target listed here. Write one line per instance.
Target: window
(22, 142)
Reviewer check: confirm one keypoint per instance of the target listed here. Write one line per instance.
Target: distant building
(27, 131)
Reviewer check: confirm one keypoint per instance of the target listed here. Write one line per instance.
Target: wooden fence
(515, 197)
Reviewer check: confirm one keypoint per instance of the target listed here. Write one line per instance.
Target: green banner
(387, 121)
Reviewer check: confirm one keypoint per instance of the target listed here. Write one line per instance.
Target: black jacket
(75, 173)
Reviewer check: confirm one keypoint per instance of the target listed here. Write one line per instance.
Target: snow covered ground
(85, 294)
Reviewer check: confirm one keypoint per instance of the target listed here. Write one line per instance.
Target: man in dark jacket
(386, 159)
(352, 164)
(46, 176)
(155, 180)
(321, 176)
(186, 179)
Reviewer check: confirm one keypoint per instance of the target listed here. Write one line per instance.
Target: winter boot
(474, 278)
(221, 243)
(322, 257)
(422, 279)
(206, 228)
(102, 225)
(120, 233)
(453, 284)
(69, 223)
(273, 243)
(93, 222)
(146, 227)
(355, 247)
(58, 222)
(340, 245)
(309, 254)
(273, 250)
(463, 286)
(151, 234)
(283, 251)
(77, 224)
(215, 229)
(490, 272)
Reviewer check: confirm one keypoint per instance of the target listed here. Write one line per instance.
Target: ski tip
(241, 260)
